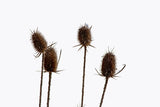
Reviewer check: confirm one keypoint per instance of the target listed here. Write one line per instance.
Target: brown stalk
(50, 65)
(83, 78)
(41, 81)
(49, 85)
(104, 90)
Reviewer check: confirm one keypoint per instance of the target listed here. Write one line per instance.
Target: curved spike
(37, 29)
(77, 45)
(38, 54)
(51, 45)
(98, 72)
(90, 28)
(59, 56)
(92, 46)
(120, 70)
(57, 72)
(31, 31)
(80, 47)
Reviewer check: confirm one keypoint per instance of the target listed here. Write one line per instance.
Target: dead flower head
(84, 36)
(108, 65)
(38, 41)
(50, 60)
(108, 68)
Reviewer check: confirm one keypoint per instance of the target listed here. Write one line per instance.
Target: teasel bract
(40, 45)
(84, 38)
(108, 70)
(50, 65)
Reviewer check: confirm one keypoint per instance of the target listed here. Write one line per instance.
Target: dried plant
(108, 70)
(84, 38)
(50, 65)
(50, 61)
(40, 45)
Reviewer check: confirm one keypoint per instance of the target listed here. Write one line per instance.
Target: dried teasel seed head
(39, 43)
(50, 60)
(84, 35)
(108, 65)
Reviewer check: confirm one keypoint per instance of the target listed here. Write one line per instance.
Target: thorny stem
(41, 81)
(49, 84)
(105, 86)
(82, 97)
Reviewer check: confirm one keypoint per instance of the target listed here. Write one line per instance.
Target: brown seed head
(38, 41)
(50, 60)
(84, 35)
(108, 65)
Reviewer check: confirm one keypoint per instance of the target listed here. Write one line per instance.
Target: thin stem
(49, 85)
(84, 64)
(104, 89)
(41, 81)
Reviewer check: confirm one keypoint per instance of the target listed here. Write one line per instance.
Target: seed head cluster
(50, 60)
(39, 43)
(84, 35)
(108, 65)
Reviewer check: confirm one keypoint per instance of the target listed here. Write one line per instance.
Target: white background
(131, 27)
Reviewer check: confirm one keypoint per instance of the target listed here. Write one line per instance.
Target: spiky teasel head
(108, 65)
(50, 60)
(84, 36)
(39, 42)
(108, 68)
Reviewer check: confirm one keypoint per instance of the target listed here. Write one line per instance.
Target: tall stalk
(41, 81)
(83, 78)
(104, 89)
(49, 85)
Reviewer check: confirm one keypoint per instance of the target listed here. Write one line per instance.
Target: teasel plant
(40, 45)
(84, 38)
(108, 70)
(50, 65)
